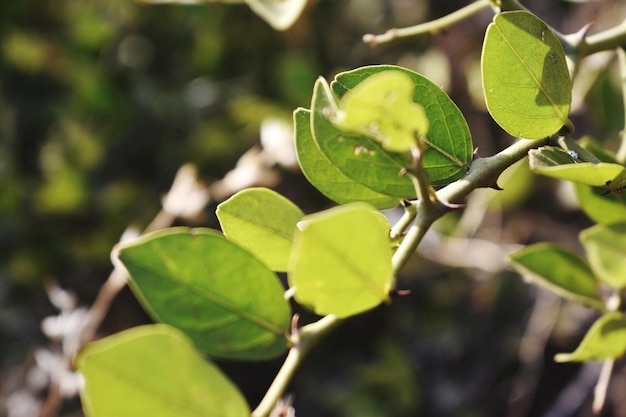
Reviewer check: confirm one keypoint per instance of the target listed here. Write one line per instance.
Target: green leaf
(560, 270)
(358, 157)
(263, 222)
(341, 262)
(220, 295)
(449, 144)
(525, 77)
(599, 207)
(382, 108)
(606, 339)
(154, 370)
(556, 163)
(280, 14)
(605, 245)
(325, 176)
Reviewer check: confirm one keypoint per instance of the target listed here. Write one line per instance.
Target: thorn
(294, 337)
(400, 293)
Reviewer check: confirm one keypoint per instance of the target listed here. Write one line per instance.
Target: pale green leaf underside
(601, 208)
(449, 148)
(606, 339)
(325, 176)
(560, 270)
(525, 76)
(556, 163)
(605, 245)
(382, 108)
(154, 370)
(220, 295)
(342, 261)
(263, 222)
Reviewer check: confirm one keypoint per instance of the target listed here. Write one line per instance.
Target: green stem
(621, 152)
(431, 27)
(410, 212)
(606, 40)
(308, 336)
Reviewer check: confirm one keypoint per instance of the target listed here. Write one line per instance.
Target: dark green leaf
(225, 299)
(525, 76)
(154, 371)
(450, 150)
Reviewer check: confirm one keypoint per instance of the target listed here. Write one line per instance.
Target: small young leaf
(601, 208)
(556, 163)
(525, 77)
(226, 300)
(606, 339)
(382, 108)
(559, 270)
(449, 148)
(279, 14)
(358, 157)
(155, 371)
(341, 261)
(263, 222)
(325, 176)
(605, 245)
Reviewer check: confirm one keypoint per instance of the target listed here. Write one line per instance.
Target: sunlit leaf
(280, 14)
(220, 295)
(341, 262)
(325, 176)
(154, 370)
(357, 156)
(263, 222)
(605, 245)
(556, 163)
(382, 108)
(606, 339)
(560, 270)
(449, 149)
(525, 76)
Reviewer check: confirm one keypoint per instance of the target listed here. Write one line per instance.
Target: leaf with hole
(325, 176)
(606, 339)
(156, 371)
(263, 222)
(605, 245)
(341, 262)
(560, 270)
(449, 148)
(526, 81)
(225, 299)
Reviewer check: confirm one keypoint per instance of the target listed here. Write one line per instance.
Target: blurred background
(101, 103)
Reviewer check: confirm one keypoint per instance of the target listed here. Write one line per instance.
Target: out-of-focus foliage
(101, 101)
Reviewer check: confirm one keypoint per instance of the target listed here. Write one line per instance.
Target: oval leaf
(525, 77)
(325, 176)
(606, 339)
(449, 149)
(341, 263)
(220, 295)
(560, 270)
(263, 222)
(155, 371)
(556, 163)
(606, 249)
